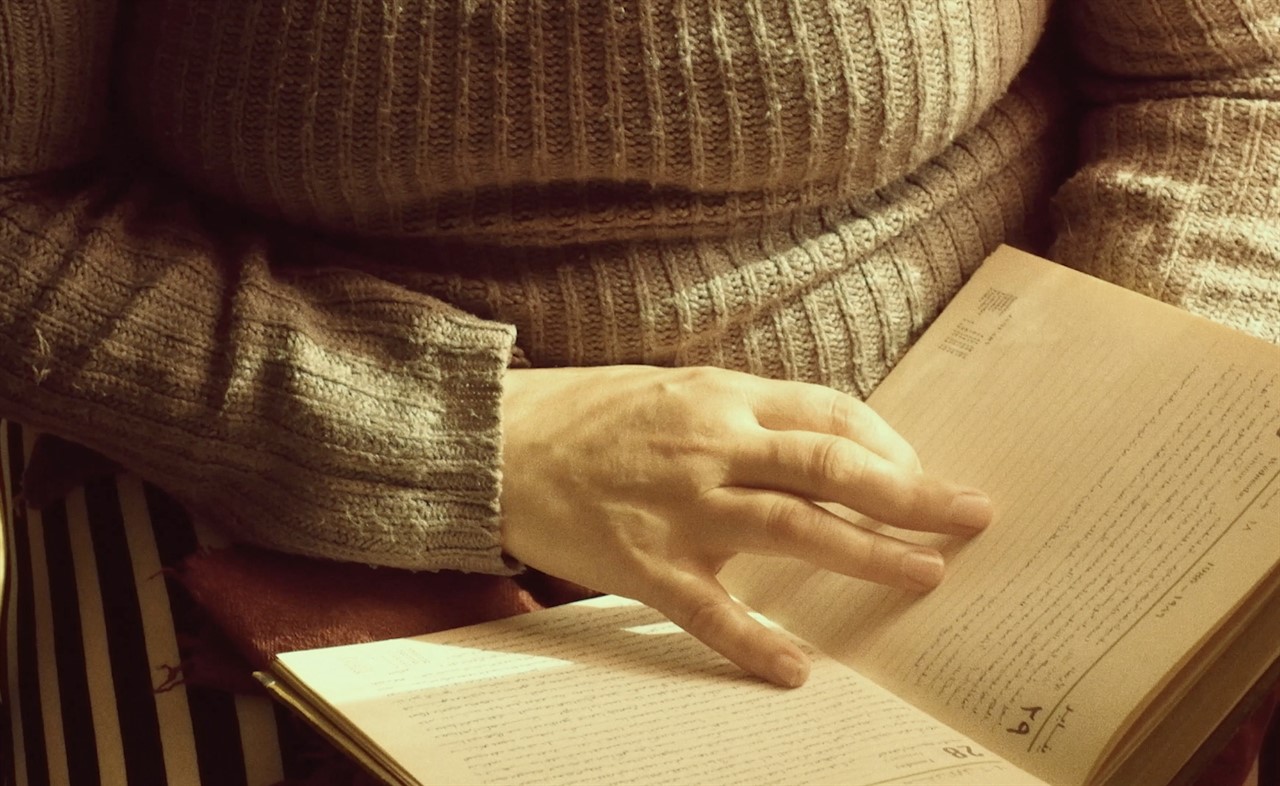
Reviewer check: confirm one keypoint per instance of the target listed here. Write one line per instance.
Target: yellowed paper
(1133, 454)
(608, 691)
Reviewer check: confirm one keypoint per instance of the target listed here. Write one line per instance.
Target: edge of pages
(313, 712)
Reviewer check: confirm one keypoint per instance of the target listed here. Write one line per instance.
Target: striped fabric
(91, 630)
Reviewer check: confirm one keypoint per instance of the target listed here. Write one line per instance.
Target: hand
(643, 482)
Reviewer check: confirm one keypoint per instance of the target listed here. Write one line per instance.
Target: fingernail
(790, 670)
(971, 510)
(923, 567)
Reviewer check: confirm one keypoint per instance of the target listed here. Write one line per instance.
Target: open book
(1124, 601)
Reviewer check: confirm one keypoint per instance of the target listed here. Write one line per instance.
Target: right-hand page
(1132, 453)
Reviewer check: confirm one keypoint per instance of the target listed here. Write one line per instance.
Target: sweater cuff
(408, 476)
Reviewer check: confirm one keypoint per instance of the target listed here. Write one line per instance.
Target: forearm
(323, 412)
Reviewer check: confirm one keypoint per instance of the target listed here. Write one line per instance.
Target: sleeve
(320, 411)
(1178, 191)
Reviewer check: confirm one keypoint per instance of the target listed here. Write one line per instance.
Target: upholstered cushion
(92, 630)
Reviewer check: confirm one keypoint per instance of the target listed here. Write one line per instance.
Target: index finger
(801, 406)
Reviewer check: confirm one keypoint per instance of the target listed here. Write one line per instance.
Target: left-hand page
(608, 690)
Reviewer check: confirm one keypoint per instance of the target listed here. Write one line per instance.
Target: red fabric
(265, 602)
(1231, 767)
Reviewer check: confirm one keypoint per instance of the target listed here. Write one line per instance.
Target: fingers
(766, 522)
(701, 606)
(834, 469)
(795, 406)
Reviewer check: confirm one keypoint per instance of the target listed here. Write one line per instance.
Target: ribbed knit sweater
(277, 257)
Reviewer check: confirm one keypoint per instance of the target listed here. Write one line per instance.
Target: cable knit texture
(275, 256)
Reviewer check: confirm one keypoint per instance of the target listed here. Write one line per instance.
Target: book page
(608, 691)
(1133, 454)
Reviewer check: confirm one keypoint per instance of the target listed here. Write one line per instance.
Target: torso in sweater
(544, 121)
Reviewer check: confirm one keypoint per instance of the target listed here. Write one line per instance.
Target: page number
(962, 752)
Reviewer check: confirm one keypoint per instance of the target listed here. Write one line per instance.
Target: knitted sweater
(277, 257)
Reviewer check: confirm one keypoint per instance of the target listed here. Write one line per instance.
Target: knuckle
(902, 501)
(692, 389)
(878, 555)
(784, 522)
(842, 412)
(908, 459)
(705, 618)
(836, 460)
(696, 377)
(915, 498)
